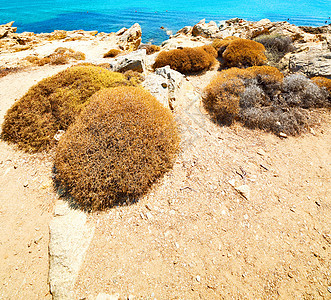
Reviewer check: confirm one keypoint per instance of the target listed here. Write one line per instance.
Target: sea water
(111, 15)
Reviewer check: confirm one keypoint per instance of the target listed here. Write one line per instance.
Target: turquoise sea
(111, 15)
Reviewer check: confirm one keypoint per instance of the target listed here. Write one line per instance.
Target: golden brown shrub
(222, 95)
(122, 142)
(186, 60)
(220, 45)
(323, 82)
(244, 53)
(260, 97)
(112, 53)
(209, 49)
(53, 104)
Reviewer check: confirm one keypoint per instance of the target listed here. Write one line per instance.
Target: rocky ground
(244, 214)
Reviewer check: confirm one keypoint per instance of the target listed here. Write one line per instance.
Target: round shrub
(220, 45)
(277, 45)
(53, 104)
(244, 53)
(186, 60)
(222, 95)
(260, 97)
(112, 53)
(323, 82)
(303, 92)
(121, 143)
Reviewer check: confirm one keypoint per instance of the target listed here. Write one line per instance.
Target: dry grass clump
(303, 92)
(323, 82)
(122, 142)
(243, 53)
(112, 53)
(60, 56)
(220, 45)
(134, 77)
(186, 60)
(150, 49)
(276, 46)
(260, 97)
(53, 104)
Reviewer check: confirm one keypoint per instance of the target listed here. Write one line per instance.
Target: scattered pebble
(283, 135)
(198, 278)
(244, 190)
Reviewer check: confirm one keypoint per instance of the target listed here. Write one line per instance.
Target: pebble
(329, 289)
(25, 184)
(283, 135)
(244, 190)
(261, 152)
(198, 278)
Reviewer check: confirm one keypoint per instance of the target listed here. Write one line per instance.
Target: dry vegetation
(241, 53)
(112, 53)
(121, 143)
(187, 60)
(60, 56)
(276, 46)
(53, 104)
(260, 97)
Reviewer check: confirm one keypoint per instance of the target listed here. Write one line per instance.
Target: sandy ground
(193, 236)
(26, 204)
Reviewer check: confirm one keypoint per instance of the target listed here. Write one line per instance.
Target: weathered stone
(187, 30)
(204, 29)
(135, 61)
(181, 41)
(129, 39)
(314, 60)
(70, 237)
(7, 29)
(165, 85)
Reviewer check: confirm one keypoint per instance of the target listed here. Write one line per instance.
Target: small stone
(164, 85)
(283, 135)
(149, 216)
(244, 190)
(232, 182)
(26, 184)
(312, 131)
(59, 134)
(177, 245)
(142, 215)
(38, 239)
(290, 275)
(261, 152)
(198, 278)
(131, 297)
(329, 289)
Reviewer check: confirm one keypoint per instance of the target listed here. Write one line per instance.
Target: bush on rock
(122, 142)
(260, 97)
(187, 60)
(53, 104)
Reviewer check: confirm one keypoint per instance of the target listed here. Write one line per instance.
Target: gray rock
(135, 61)
(165, 85)
(7, 29)
(244, 190)
(129, 39)
(314, 60)
(204, 29)
(70, 237)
